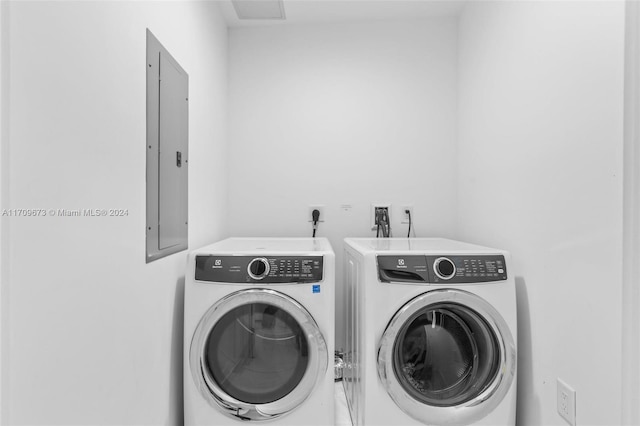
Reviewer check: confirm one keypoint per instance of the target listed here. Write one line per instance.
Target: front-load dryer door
(447, 357)
(257, 354)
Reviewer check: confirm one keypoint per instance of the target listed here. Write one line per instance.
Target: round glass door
(257, 354)
(446, 355)
(444, 350)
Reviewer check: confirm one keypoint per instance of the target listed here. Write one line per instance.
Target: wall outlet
(404, 215)
(318, 207)
(566, 402)
(374, 207)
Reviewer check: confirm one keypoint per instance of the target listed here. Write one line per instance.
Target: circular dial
(444, 268)
(258, 268)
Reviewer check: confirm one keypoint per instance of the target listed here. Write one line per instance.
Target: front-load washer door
(257, 354)
(447, 357)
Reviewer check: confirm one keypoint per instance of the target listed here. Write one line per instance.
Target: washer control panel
(467, 268)
(454, 269)
(259, 269)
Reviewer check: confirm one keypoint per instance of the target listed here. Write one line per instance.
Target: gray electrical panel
(167, 152)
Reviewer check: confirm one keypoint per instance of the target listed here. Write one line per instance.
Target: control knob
(444, 268)
(258, 268)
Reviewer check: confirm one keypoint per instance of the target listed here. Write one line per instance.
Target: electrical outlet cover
(566, 402)
(403, 215)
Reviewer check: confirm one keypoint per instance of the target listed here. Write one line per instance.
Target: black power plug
(315, 217)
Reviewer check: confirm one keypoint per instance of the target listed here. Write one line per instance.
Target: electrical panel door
(167, 152)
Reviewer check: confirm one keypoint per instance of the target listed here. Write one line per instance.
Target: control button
(444, 268)
(258, 268)
(501, 271)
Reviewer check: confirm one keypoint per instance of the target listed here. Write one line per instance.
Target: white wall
(540, 150)
(96, 334)
(343, 114)
(631, 220)
(4, 221)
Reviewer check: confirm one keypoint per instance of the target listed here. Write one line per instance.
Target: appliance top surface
(418, 245)
(241, 246)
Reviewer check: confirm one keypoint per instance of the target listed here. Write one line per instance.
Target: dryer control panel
(262, 269)
(454, 269)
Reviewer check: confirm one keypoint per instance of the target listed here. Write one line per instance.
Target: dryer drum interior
(257, 353)
(445, 355)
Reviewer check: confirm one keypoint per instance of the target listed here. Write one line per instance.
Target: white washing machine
(259, 332)
(431, 333)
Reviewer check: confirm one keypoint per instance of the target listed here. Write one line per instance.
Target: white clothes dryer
(259, 332)
(431, 333)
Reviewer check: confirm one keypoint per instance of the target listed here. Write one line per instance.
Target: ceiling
(328, 11)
